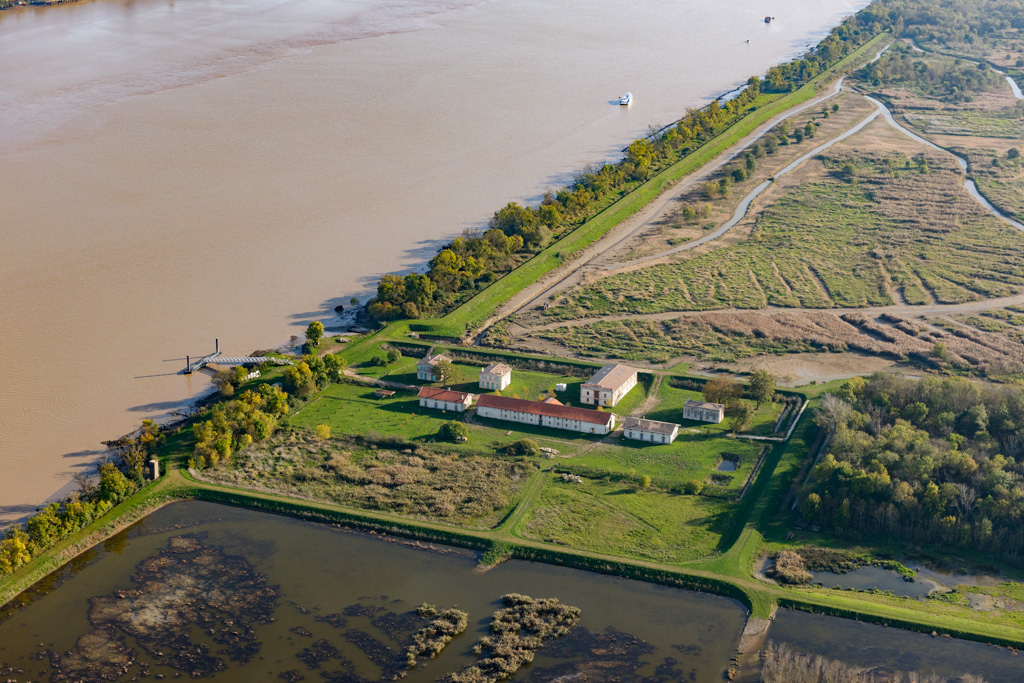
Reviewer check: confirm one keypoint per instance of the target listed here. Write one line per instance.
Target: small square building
(608, 385)
(495, 377)
(652, 431)
(702, 411)
(426, 368)
(445, 399)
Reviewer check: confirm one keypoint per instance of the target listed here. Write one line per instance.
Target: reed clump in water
(432, 638)
(789, 568)
(779, 664)
(517, 631)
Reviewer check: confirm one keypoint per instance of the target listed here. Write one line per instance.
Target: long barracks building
(547, 413)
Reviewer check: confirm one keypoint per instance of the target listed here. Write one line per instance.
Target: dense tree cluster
(953, 22)
(313, 373)
(236, 424)
(841, 41)
(949, 79)
(935, 461)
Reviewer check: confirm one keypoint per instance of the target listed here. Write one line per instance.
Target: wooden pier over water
(215, 357)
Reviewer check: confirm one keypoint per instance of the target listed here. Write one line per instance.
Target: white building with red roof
(547, 413)
(445, 399)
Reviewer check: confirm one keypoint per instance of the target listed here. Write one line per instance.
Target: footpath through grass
(474, 312)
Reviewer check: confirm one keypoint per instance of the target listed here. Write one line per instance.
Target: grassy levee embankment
(151, 497)
(728, 574)
(474, 312)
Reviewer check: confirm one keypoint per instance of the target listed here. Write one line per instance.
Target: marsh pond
(198, 590)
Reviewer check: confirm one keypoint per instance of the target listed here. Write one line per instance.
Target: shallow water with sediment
(310, 599)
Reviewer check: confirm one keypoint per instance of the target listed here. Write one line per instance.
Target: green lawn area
(526, 384)
(670, 409)
(353, 409)
(692, 456)
(618, 519)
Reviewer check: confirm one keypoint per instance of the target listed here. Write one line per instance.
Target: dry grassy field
(693, 213)
(876, 220)
(725, 336)
(422, 482)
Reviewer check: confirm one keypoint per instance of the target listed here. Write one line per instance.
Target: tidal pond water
(926, 580)
(868, 577)
(197, 589)
(871, 645)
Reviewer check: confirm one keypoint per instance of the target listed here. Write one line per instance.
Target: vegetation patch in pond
(779, 664)
(432, 638)
(844, 561)
(187, 585)
(517, 632)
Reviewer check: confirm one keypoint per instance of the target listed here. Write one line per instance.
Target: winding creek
(968, 183)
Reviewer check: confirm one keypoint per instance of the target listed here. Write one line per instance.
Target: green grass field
(670, 409)
(619, 519)
(353, 409)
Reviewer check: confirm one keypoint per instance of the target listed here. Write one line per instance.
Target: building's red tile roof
(520, 405)
(443, 395)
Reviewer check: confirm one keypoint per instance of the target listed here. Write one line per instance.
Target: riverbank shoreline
(38, 3)
(722, 574)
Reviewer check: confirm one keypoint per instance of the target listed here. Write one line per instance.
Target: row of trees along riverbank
(473, 261)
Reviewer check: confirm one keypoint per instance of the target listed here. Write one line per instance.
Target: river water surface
(347, 595)
(180, 170)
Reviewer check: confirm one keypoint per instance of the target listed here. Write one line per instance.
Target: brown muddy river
(236, 595)
(180, 170)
